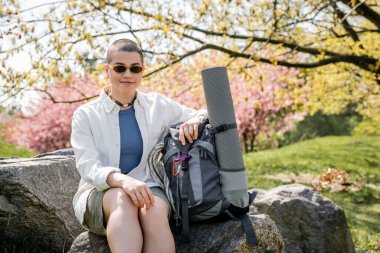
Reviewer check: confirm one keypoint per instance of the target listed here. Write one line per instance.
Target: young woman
(112, 137)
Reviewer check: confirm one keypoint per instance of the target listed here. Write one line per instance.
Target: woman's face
(127, 80)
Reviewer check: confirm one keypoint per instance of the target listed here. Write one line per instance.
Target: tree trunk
(252, 143)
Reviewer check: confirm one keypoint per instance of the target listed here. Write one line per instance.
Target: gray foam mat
(221, 111)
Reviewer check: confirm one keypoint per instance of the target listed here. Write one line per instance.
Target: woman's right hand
(139, 192)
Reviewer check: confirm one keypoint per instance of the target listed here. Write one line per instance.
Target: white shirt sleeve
(87, 157)
(180, 113)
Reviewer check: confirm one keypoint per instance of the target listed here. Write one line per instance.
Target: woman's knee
(117, 198)
(157, 214)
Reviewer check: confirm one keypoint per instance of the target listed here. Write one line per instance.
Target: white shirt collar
(110, 105)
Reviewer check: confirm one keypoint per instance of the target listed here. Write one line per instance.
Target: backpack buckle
(221, 128)
(182, 164)
(215, 130)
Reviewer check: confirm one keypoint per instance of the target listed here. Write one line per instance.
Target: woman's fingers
(182, 137)
(147, 200)
(190, 131)
(184, 132)
(188, 134)
(150, 195)
(134, 199)
(195, 129)
(141, 199)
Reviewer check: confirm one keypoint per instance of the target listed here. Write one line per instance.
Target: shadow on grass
(362, 208)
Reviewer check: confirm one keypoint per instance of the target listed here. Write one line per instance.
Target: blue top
(131, 141)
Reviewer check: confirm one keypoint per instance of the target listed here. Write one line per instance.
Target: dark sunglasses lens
(119, 69)
(136, 69)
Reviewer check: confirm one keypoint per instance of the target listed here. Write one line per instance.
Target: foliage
(358, 155)
(367, 127)
(320, 124)
(48, 125)
(338, 41)
(334, 91)
(334, 180)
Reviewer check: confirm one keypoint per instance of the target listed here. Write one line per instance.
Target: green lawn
(8, 150)
(359, 156)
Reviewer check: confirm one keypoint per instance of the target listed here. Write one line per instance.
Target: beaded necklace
(121, 104)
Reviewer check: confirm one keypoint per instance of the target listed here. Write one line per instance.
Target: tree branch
(345, 23)
(366, 12)
(363, 62)
(178, 59)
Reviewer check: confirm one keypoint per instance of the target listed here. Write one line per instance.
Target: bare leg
(155, 226)
(123, 227)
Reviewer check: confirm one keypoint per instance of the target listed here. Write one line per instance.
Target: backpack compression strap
(221, 128)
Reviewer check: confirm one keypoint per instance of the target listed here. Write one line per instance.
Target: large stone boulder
(307, 221)
(35, 203)
(217, 237)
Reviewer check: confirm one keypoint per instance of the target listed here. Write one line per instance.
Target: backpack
(193, 185)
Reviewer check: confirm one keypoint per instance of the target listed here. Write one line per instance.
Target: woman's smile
(130, 82)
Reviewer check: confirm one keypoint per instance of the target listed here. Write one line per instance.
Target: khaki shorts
(93, 217)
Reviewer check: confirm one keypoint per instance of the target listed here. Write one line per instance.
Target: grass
(358, 155)
(9, 150)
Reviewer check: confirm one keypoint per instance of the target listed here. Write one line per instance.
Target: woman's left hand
(189, 129)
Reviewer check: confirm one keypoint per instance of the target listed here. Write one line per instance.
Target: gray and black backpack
(193, 183)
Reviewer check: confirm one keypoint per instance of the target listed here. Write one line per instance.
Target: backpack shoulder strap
(248, 229)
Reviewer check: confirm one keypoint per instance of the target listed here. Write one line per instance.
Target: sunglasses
(121, 69)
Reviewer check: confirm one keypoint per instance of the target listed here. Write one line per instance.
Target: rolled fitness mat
(221, 112)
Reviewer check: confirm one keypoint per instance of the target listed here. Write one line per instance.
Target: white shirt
(95, 138)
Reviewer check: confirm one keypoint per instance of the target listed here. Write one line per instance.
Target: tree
(325, 32)
(47, 126)
(336, 42)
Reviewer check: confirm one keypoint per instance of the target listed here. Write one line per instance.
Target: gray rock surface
(63, 152)
(35, 203)
(216, 237)
(307, 221)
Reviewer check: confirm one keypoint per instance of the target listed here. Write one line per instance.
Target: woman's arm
(87, 157)
(91, 169)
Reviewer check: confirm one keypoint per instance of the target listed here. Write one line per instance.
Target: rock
(216, 237)
(35, 203)
(307, 221)
(63, 152)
